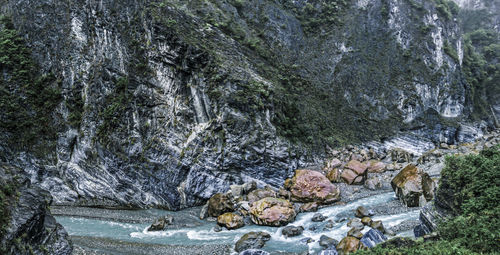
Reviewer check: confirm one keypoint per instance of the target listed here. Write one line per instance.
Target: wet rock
(204, 212)
(290, 231)
(217, 228)
(259, 194)
(329, 251)
(326, 241)
(312, 186)
(355, 222)
(373, 183)
(375, 166)
(252, 240)
(366, 221)
(378, 225)
(271, 211)
(355, 232)
(218, 204)
(348, 244)
(372, 238)
(309, 207)
(253, 252)
(329, 224)
(333, 175)
(306, 240)
(409, 186)
(358, 167)
(161, 223)
(318, 217)
(361, 212)
(230, 221)
(348, 176)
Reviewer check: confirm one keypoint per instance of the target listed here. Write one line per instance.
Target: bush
(474, 182)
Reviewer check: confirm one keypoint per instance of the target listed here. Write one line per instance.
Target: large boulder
(372, 238)
(161, 223)
(375, 166)
(348, 176)
(230, 221)
(412, 186)
(290, 231)
(252, 240)
(272, 211)
(326, 241)
(310, 186)
(348, 244)
(218, 204)
(259, 194)
(356, 166)
(361, 212)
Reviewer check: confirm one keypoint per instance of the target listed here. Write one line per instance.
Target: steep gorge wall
(164, 103)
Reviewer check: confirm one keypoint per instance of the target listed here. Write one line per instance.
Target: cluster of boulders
(355, 239)
(361, 166)
(246, 204)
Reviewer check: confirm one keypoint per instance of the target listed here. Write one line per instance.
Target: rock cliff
(165, 103)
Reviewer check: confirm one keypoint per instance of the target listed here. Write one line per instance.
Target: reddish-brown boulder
(272, 211)
(356, 166)
(409, 186)
(230, 221)
(375, 166)
(348, 176)
(312, 186)
(348, 244)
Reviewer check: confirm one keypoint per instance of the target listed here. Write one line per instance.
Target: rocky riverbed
(324, 216)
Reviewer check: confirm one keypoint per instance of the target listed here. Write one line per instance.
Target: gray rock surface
(174, 107)
(26, 221)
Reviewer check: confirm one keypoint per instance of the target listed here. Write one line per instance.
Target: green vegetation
(448, 49)
(470, 185)
(112, 114)
(7, 194)
(473, 182)
(318, 14)
(481, 67)
(447, 8)
(27, 99)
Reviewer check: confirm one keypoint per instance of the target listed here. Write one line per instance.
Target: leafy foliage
(27, 98)
(117, 104)
(474, 182)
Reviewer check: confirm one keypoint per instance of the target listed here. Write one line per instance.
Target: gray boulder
(252, 240)
(290, 231)
(372, 238)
